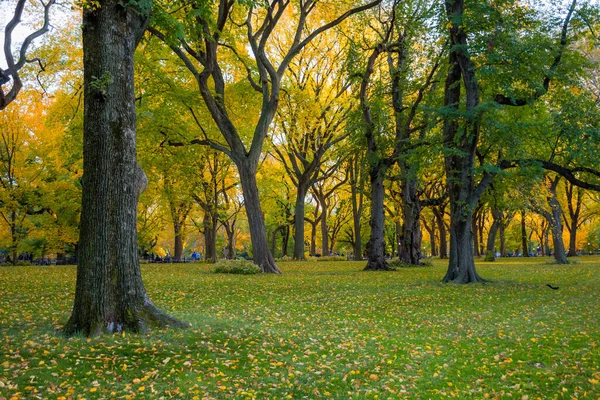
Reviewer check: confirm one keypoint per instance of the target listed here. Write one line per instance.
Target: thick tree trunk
(313, 240)
(398, 244)
(256, 222)
(411, 238)
(560, 255)
(503, 240)
(109, 294)
(461, 267)
(299, 224)
(376, 244)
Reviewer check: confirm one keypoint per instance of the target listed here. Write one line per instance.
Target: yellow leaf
(373, 377)
(141, 388)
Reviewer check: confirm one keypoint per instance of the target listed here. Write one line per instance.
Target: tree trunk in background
(299, 223)
(357, 206)
(256, 222)
(210, 238)
(411, 238)
(178, 232)
(555, 220)
(109, 294)
(230, 232)
(475, 235)
(441, 225)
(397, 245)
(376, 244)
(490, 251)
(524, 241)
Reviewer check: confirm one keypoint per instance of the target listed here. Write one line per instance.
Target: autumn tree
(464, 112)
(110, 295)
(205, 32)
(392, 133)
(311, 121)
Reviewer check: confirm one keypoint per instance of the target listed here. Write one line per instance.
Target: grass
(321, 330)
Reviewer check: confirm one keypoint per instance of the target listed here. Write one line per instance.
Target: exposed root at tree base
(377, 266)
(135, 320)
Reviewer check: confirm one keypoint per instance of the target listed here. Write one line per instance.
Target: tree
(463, 127)
(391, 141)
(110, 295)
(311, 120)
(10, 79)
(199, 48)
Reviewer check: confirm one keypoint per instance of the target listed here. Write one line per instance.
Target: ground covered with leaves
(320, 330)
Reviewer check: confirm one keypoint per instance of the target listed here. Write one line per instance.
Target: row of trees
(339, 95)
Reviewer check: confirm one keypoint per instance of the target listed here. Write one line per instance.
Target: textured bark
(230, 232)
(109, 294)
(376, 244)
(411, 237)
(555, 220)
(256, 222)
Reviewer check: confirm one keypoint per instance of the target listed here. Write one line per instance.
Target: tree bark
(560, 255)
(109, 294)
(256, 222)
(178, 231)
(439, 218)
(299, 224)
(490, 249)
(376, 244)
(357, 197)
(209, 228)
(411, 237)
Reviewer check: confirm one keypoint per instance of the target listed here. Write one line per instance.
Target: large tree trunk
(109, 294)
(410, 240)
(256, 222)
(461, 264)
(376, 244)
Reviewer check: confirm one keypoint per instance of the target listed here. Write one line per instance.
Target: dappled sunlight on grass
(320, 330)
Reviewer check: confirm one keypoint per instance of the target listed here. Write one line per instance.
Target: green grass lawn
(321, 330)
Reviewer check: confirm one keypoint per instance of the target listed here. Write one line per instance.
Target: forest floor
(320, 330)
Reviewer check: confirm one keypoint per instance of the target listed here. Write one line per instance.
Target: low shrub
(240, 267)
(331, 258)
